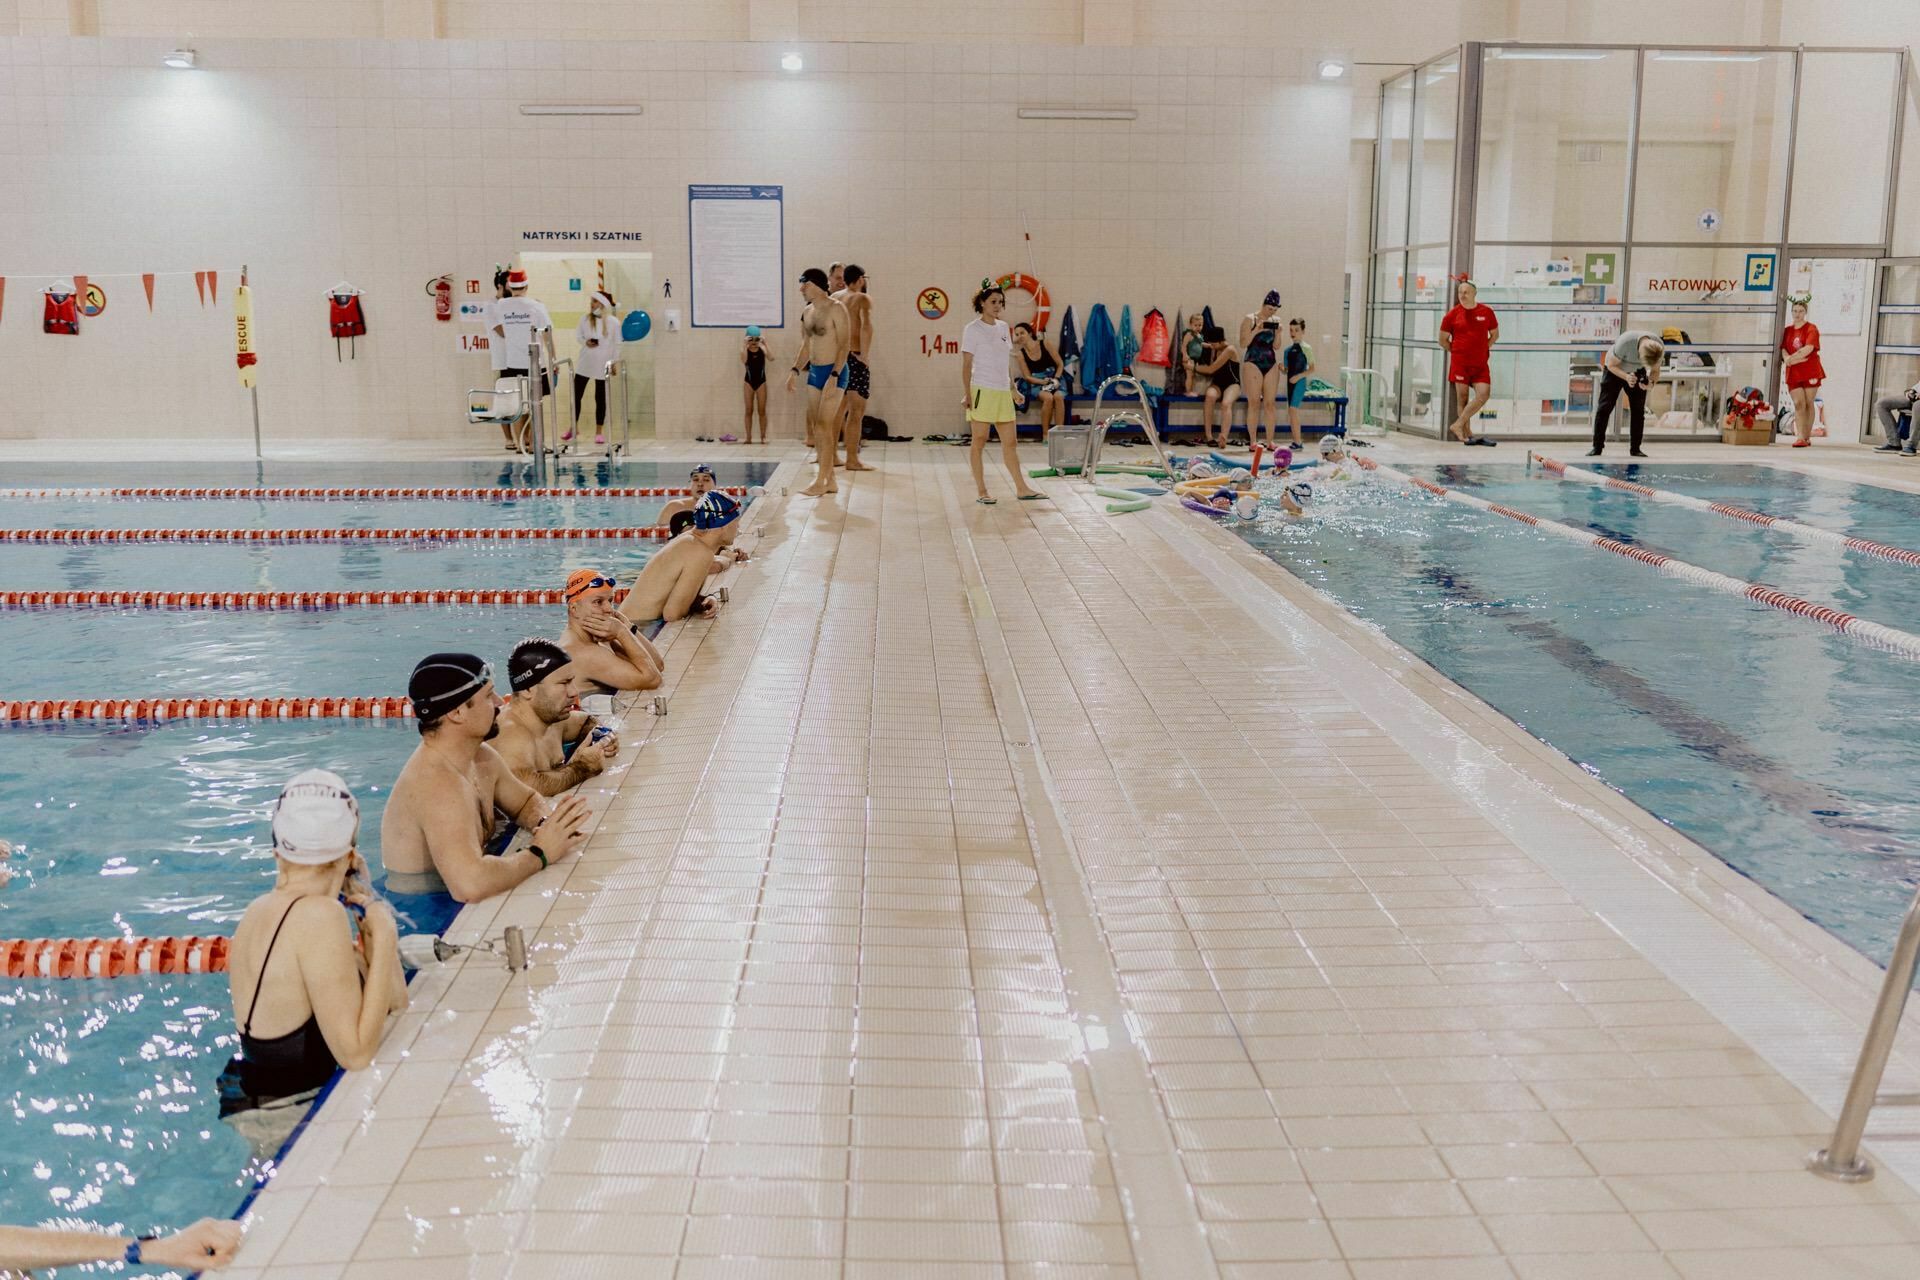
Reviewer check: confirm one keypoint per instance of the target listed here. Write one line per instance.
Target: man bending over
(440, 815)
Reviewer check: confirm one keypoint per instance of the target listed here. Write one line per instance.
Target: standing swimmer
(1297, 360)
(753, 355)
(1260, 366)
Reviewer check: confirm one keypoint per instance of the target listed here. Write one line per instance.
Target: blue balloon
(636, 326)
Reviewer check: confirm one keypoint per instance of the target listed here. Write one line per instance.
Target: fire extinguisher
(441, 287)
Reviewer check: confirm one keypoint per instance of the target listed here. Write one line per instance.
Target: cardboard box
(1745, 435)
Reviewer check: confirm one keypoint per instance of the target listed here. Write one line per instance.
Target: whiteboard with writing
(735, 239)
(1839, 289)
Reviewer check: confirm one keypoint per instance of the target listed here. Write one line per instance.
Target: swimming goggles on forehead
(451, 698)
(591, 584)
(317, 791)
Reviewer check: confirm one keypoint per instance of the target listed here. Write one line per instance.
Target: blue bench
(1163, 407)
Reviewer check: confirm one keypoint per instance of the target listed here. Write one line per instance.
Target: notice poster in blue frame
(736, 240)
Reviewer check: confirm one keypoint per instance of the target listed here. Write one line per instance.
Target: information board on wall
(735, 238)
(1839, 289)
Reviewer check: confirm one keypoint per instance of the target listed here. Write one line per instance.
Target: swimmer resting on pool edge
(548, 745)
(314, 970)
(668, 589)
(440, 814)
(607, 653)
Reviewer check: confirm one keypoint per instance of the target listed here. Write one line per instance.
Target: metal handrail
(1153, 436)
(1841, 1159)
(536, 413)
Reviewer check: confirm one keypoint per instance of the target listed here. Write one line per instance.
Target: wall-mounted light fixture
(791, 62)
(1079, 113)
(179, 59)
(581, 109)
(1332, 69)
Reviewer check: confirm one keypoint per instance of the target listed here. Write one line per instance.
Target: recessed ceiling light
(791, 62)
(1332, 69)
(179, 59)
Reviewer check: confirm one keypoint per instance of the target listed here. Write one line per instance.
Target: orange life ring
(1042, 304)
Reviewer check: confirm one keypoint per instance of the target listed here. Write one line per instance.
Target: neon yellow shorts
(990, 405)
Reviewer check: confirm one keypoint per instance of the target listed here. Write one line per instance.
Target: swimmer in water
(1295, 497)
(540, 724)
(701, 478)
(668, 589)
(314, 970)
(608, 655)
(6, 871)
(440, 815)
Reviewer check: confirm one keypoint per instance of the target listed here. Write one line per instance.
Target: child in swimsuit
(753, 354)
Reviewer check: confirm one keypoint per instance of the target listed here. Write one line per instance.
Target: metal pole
(535, 414)
(1841, 1159)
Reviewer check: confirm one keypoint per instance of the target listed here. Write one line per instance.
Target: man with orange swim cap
(604, 647)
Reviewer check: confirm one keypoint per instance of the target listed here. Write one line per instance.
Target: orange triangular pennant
(200, 286)
(213, 287)
(80, 289)
(3, 293)
(146, 282)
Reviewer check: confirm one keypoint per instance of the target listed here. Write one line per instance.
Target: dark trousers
(580, 382)
(1610, 389)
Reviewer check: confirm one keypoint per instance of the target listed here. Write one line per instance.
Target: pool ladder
(1121, 383)
(1841, 1159)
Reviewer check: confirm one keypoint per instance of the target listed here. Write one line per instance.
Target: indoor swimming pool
(1763, 736)
(144, 830)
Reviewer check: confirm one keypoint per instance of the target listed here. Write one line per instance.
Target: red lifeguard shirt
(1472, 332)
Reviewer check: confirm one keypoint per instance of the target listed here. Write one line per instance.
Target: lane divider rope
(376, 494)
(1567, 471)
(111, 957)
(66, 710)
(1905, 642)
(64, 537)
(274, 601)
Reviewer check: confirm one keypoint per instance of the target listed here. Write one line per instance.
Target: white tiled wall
(389, 161)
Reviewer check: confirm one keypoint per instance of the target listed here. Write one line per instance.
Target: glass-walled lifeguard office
(1685, 191)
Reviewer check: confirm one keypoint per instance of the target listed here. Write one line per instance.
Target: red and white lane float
(281, 536)
(1905, 642)
(30, 711)
(1567, 471)
(110, 957)
(276, 601)
(367, 495)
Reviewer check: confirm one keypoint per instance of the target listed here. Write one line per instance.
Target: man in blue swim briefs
(826, 335)
(440, 814)
(668, 589)
(548, 745)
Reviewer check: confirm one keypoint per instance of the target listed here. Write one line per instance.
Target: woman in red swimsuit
(1801, 343)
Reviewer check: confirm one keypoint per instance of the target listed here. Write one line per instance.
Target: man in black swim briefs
(440, 813)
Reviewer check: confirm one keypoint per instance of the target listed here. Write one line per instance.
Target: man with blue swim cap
(668, 589)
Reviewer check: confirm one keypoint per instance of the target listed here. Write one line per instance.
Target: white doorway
(565, 282)
(1842, 290)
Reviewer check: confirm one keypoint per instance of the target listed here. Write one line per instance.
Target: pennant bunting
(146, 282)
(213, 287)
(3, 293)
(200, 286)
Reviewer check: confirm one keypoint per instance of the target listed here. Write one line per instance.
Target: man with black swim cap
(540, 723)
(668, 589)
(440, 813)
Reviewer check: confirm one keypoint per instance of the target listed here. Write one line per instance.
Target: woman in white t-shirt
(986, 367)
(598, 359)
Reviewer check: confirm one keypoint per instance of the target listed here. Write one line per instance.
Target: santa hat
(516, 279)
(604, 298)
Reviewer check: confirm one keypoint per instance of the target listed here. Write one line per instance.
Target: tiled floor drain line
(1168, 1238)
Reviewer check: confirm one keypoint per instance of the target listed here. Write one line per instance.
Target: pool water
(507, 473)
(1764, 737)
(112, 1109)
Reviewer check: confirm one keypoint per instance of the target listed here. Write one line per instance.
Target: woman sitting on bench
(1037, 377)
(1218, 372)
